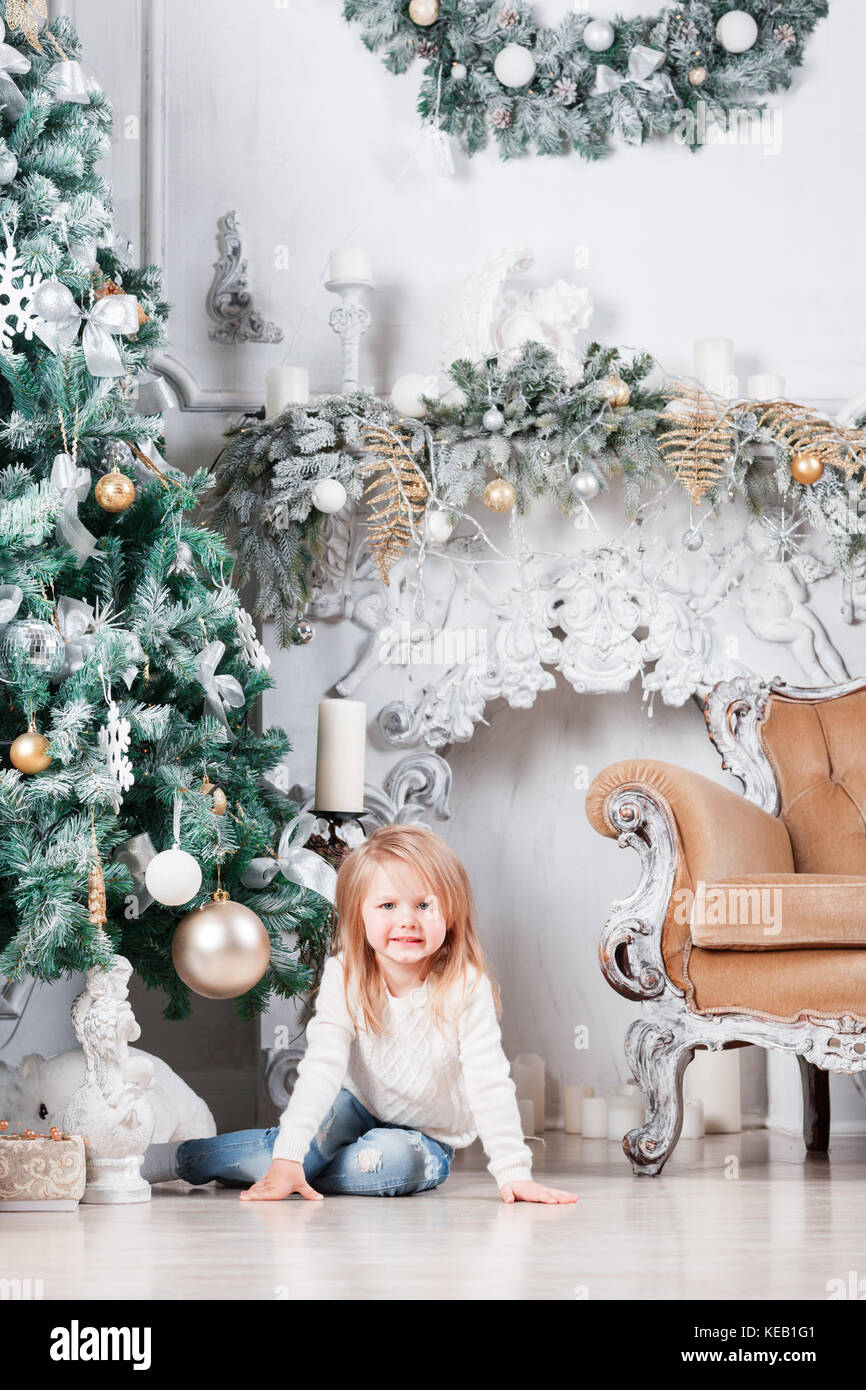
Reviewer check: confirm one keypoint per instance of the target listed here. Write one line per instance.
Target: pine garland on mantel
(529, 424)
(565, 104)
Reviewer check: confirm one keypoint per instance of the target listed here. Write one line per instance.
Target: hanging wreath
(493, 69)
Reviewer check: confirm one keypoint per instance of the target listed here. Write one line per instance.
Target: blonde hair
(443, 875)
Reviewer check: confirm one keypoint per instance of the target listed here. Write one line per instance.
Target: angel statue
(774, 593)
(483, 317)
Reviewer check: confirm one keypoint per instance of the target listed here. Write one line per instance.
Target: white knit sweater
(452, 1083)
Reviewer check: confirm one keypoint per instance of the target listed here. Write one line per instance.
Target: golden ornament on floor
(615, 391)
(114, 492)
(499, 495)
(396, 495)
(699, 442)
(806, 468)
(29, 752)
(221, 949)
(424, 12)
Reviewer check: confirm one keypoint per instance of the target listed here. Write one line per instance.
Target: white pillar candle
(350, 263)
(627, 1088)
(340, 752)
(714, 365)
(527, 1116)
(623, 1113)
(693, 1119)
(527, 1071)
(766, 387)
(593, 1117)
(714, 1078)
(285, 386)
(573, 1098)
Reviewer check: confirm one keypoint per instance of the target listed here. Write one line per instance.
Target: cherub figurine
(773, 592)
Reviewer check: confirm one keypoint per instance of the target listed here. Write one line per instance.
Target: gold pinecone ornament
(396, 494)
(699, 442)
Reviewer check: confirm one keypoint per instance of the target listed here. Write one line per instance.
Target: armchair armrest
(685, 829)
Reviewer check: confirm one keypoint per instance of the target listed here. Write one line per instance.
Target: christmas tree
(130, 671)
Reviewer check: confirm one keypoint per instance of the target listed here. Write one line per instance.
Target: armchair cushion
(787, 985)
(718, 835)
(779, 912)
(817, 753)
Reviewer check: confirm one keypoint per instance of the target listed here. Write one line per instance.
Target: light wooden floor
(782, 1229)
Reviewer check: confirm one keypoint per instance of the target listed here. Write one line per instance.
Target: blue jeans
(352, 1152)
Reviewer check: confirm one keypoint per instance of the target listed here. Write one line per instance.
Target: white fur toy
(36, 1094)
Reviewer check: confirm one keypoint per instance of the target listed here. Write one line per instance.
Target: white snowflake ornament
(16, 314)
(114, 742)
(252, 650)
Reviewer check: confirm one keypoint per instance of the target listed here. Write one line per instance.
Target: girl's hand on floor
(534, 1192)
(281, 1180)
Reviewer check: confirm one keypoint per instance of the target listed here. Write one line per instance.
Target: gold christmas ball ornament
(424, 12)
(499, 495)
(29, 752)
(698, 76)
(615, 391)
(114, 492)
(806, 468)
(221, 949)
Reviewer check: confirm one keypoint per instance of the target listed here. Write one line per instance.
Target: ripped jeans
(351, 1153)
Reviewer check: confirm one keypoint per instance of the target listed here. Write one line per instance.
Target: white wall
(279, 112)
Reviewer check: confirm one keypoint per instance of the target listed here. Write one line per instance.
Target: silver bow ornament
(113, 314)
(643, 63)
(219, 691)
(81, 627)
(66, 82)
(136, 853)
(11, 62)
(73, 484)
(298, 865)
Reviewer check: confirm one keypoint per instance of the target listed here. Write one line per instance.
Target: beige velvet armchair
(748, 923)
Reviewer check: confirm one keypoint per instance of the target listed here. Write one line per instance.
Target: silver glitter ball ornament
(493, 419)
(303, 632)
(117, 455)
(693, 538)
(583, 485)
(39, 643)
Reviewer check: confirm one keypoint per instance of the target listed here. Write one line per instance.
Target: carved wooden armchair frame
(662, 1042)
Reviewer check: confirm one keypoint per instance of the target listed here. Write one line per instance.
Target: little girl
(404, 1060)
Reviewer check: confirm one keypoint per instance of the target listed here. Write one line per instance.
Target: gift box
(41, 1172)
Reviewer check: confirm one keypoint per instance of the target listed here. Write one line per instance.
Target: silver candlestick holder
(350, 320)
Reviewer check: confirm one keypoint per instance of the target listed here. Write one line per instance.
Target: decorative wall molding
(229, 300)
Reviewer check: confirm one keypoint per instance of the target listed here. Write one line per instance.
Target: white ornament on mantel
(17, 316)
(407, 391)
(598, 36)
(110, 1106)
(437, 527)
(514, 65)
(484, 317)
(328, 495)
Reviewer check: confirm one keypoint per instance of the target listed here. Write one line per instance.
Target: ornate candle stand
(350, 320)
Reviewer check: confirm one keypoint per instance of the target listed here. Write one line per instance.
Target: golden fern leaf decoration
(806, 431)
(699, 443)
(22, 14)
(396, 494)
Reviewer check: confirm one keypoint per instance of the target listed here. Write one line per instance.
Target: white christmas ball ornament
(173, 877)
(737, 31)
(584, 485)
(437, 525)
(598, 36)
(328, 495)
(459, 71)
(407, 391)
(514, 65)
